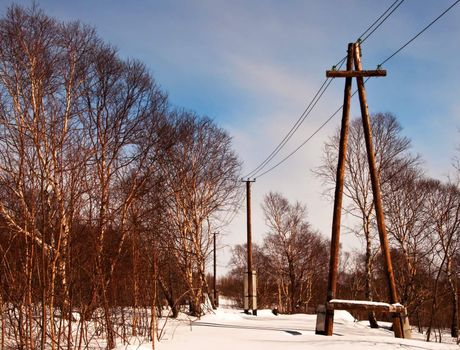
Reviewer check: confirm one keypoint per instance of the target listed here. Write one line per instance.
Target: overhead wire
(309, 138)
(295, 127)
(320, 92)
(340, 108)
(301, 145)
(362, 38)
(297, 124)
(419, 33)
(288, 135)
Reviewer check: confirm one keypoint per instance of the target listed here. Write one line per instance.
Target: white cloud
(268, 80)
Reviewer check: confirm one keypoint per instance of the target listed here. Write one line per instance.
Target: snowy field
(229, 328)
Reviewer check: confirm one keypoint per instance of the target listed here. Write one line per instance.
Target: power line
(381, 64)
(309, 138)
(381, 22)
(288, 135)
(318, 95)
(296, 125)
(419, 33)
(301, 145)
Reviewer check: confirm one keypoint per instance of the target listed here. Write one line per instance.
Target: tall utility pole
(251, 290)
(354, 58)
(385, 248)
(340, 178)
(216, 300)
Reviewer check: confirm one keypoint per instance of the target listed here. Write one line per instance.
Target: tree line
(109, 195)
(423, 223)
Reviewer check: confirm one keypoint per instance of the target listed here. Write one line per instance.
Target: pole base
(320, 320)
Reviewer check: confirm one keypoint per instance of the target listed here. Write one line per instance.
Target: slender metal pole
(376, 192)
(340, 177)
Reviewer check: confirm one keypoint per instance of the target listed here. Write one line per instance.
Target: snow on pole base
(365, 305)
(397, 310)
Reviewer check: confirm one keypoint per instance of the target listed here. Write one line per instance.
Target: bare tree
(79, 133)
(267, 287)
(118, 114)
(294, 251)
(41, 69)
(443, 208)
(404, 201)
(201, 180)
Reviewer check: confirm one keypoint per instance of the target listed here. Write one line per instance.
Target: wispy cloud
(270, 81)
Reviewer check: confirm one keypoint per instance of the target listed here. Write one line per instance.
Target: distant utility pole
(252, 294)
(216, 300)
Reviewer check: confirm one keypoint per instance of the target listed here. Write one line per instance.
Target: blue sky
(254, 65)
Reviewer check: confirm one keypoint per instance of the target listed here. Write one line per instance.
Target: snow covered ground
(229, 328)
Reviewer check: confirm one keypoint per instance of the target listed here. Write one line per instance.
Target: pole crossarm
(356, 73)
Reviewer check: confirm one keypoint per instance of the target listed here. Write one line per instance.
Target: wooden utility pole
(335, 239)
(251, 294)
(376, 191)
(354, 55)
(216, 301)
